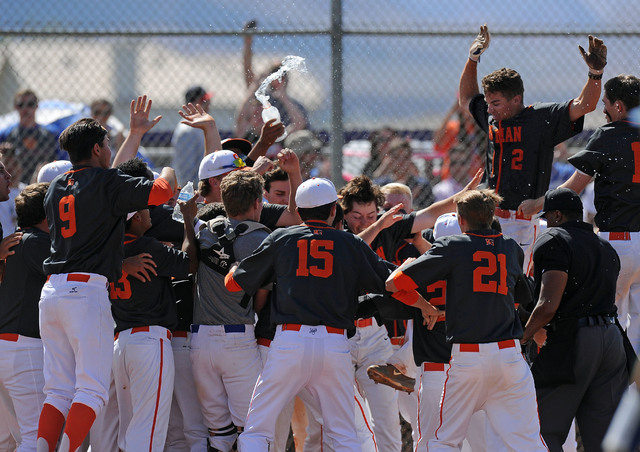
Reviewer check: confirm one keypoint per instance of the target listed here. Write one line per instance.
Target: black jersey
(86, 210)
(481, 269)
(136, 303)
(163, 226)
(591, 262)
(22, 284)
(612, 156)
(319, 272)
(520, 151)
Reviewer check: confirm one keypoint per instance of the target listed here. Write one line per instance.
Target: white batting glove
(480, 44)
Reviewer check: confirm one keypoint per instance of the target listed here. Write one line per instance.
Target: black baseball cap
(196, 92)
(561, 199)
(237, 144)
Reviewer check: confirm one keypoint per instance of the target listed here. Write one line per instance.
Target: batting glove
(596, 59)
(480, 44)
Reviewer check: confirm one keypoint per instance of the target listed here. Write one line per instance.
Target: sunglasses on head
(29, 104)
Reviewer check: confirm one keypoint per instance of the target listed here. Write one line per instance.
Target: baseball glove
(596, 59)
(480, 44)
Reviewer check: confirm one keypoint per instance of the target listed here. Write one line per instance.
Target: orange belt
(9, 337)
(361, 323)
(297, 326)
(397, 340)
(139, 329)
(180, 333)
(503, 213)
(509, 343)
(433, 367)
(264, 341)
(626, 235)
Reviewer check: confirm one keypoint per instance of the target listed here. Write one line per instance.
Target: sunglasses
(237, 163)
(29, 104)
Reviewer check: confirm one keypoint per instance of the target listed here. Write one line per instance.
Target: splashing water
(289, 63)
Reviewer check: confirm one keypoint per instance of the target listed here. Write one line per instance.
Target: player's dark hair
(477, 207)
(505, 81)
(625, 88)
(136, 167)
(362, 190)
(30, 204)
(321, 213)
(495, 225)
(239, 190)
(211, 211)
(79, 138)
(276, 174)
(339, 215)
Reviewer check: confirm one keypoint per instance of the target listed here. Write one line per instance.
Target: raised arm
(577, 182)
(596, 60)
(189, 210)
(468, 86)
(247, 53)
(139, 124)
(427, 217)
(288, 161)
(195, 116)
(268, 135)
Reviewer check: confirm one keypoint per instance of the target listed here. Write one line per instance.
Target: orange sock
(79, 422)
(50, 425)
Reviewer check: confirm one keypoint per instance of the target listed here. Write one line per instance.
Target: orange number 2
(67, 210)
(320, 249)
(516, 160)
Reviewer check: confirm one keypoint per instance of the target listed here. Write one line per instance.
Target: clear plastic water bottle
(270, 113)
(185, 195)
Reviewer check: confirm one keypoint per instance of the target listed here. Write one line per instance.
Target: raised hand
(139, 121)
(596, 59)
(480, 44)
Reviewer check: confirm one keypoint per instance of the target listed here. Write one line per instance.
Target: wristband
(593, 76)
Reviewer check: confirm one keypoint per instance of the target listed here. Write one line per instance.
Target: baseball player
(486, 371)
(521, 138)
(224, 354)
(75, 316)
(385, 233)
(145, 314)
(610, 158)
(310, 349)
(21, 353)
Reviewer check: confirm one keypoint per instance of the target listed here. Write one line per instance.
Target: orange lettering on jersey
(380, 252)
(508, 137)
(489, 242)
(517, 134)
(123, 290)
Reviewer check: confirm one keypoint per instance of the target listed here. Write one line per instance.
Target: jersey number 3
(67, 212)
(484, 277)
(319, 249)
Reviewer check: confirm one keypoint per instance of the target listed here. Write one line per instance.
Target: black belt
(594, 320)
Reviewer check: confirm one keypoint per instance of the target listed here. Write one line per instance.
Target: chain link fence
(394, 65)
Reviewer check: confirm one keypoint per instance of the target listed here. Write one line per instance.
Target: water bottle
(185, 195)
(272, 113)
